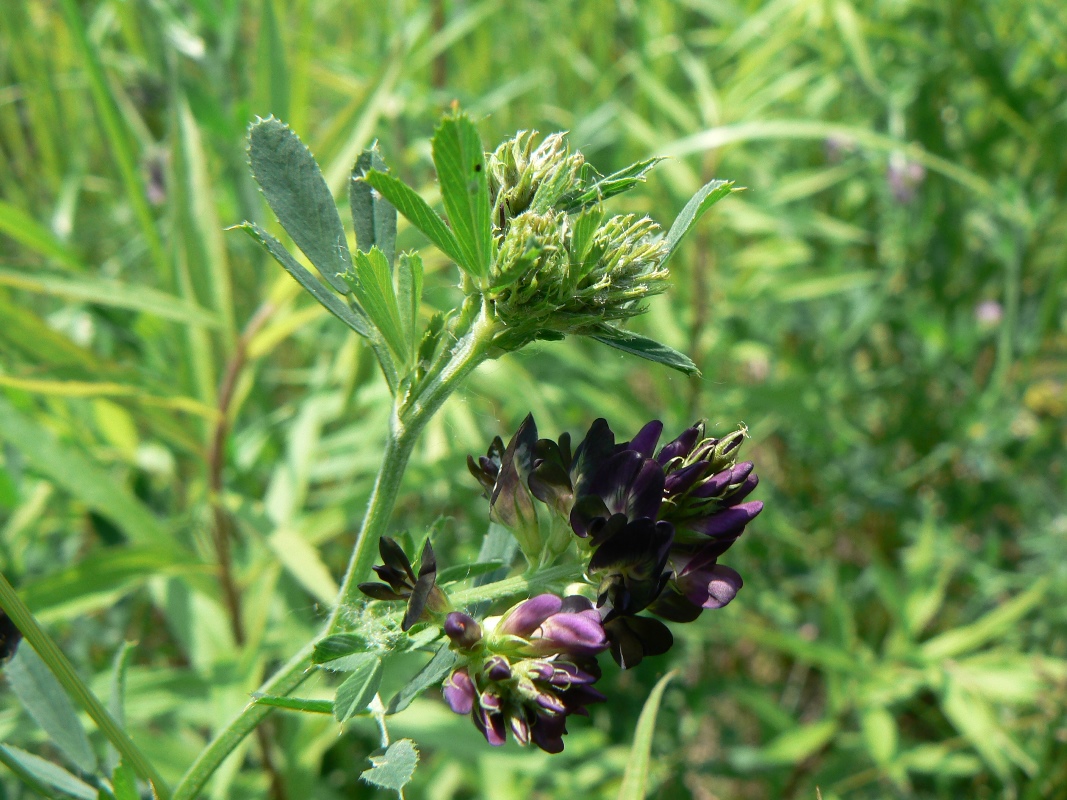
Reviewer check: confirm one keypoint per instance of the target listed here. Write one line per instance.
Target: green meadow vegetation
(188, 441)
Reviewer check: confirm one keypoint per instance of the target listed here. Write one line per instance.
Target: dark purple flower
(630, 560)
(400, 582)
(633, 638)
(10, 636)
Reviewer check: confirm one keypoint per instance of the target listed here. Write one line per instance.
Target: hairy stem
(407, 423)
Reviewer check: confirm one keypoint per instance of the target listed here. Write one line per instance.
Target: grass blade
(635, 779)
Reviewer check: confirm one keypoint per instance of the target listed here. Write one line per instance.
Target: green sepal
(595, 188)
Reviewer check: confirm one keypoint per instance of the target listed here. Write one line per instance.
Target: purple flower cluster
(651, 523)
(532, 670)
(656, 522)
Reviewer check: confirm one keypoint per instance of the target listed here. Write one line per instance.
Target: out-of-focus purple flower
(904, 177)
(400, 583)
(989, 313)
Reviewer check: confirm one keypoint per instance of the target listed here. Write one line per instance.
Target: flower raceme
(654, 523)
(528, 670)
(649, 522)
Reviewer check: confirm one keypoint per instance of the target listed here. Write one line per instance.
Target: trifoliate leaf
(45, 700)
(393, 769)
(705, 198)
(459, 158)
(331, 302)
(373, 217)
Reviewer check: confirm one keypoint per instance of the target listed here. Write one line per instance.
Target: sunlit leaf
(394, 768)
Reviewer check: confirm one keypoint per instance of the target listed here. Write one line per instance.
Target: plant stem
(406, 425)
(76, 688)
(520, 584)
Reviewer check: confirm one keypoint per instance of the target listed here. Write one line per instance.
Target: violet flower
(532, 670)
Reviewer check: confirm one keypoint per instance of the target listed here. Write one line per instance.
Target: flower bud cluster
(526, 671)
(562, 266)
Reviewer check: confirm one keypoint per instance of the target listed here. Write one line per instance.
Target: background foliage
(883, 307)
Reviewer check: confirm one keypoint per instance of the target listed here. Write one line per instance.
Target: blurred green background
(883, 307)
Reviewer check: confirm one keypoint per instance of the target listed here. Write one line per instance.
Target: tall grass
(883, 307)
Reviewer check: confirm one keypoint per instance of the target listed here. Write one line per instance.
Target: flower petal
(527, 616)
(459, 692)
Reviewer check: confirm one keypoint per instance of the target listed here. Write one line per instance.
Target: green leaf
(791, 747)
(34, 768)
(297, 193)
(102, 576)
(601, 188)
(996, 623)
(294, 704)
(31, 234)
(409, 296)
(78, 474)
(44, 700)
(705, 198)
(459, 157)
(336, 647)
(880, 733)
(394, 768)
(272, 73)
(975, 718)
(354, 319)
(635, 779)
(430, 675)
(355, 694)
(116, 700)
(124, 782)
(371, 282)
(373, 217)
(417, 211)
(645, 348)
